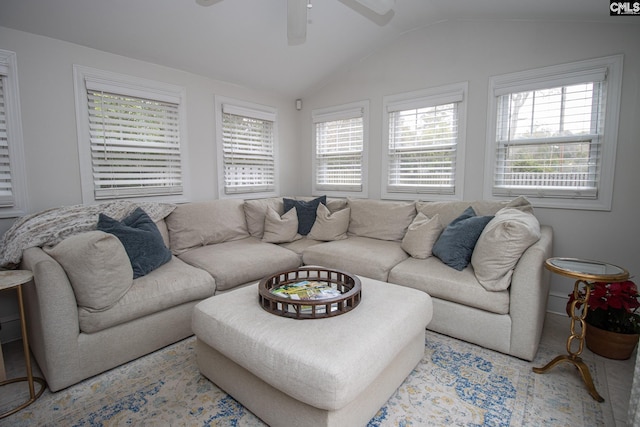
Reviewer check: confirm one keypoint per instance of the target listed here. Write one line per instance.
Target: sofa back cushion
(380, 219)
(203, 223)
(448, 211)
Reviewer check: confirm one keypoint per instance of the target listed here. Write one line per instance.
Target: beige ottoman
(336, 371)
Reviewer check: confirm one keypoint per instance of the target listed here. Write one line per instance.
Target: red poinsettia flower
(612, 306)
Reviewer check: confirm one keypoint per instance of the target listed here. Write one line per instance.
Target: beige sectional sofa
(85, 317)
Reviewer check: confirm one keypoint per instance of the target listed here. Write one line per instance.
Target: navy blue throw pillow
(141, 239)
(306, 212)
(455, 245)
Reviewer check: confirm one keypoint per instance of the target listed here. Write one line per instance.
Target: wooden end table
(14, 279)
(585, 272)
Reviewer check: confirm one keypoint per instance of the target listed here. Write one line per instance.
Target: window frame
(259, 111)
(425, 98)
(334, 113)
(546, 78)
(127, 86)
(15, 137)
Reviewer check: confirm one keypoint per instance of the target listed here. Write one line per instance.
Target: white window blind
(339, 144)
(6, 189)
(549, 140)
(248, 149)
(423, 144)
(135, 143)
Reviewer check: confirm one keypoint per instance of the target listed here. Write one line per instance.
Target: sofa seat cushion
(440, 281)
(241, 261)
(363, 256)
(299, 246)
(169, 285)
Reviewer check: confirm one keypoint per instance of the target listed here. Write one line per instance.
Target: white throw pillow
(98, 268)
(421, 235)
(330, 226)
(279, 229)
(500, 246)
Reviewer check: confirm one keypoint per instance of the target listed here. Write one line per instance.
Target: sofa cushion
(364, 256)
(170, 285)
(306, 212)
(438, 280)
(450, 210)
(421, 235)
(202, 223)
(500, 246)
(455, 245)
(380, 219)
(241, 261)
(141, 239)
(330, 226)
(280, 229)
(255, 212)
(299, 246)
(97, 266)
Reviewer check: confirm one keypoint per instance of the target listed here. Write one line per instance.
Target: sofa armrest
(52, 315)
(528, 296)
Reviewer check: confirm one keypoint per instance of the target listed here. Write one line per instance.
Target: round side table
(585, 272)
(10, 279)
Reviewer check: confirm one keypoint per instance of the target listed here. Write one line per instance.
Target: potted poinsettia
(613, 321)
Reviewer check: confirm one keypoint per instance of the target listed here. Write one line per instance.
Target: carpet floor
(456, 383)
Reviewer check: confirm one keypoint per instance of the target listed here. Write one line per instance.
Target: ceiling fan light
(381, 7)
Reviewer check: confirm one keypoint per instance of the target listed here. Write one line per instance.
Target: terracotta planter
(608, 344)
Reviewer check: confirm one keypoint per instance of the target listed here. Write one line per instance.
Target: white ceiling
(245, 41)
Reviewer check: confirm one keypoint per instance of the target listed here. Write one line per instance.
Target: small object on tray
(310, 293)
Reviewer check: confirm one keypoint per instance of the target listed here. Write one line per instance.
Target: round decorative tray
(310, 293)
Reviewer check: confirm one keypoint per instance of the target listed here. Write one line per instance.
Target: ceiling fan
(297, 14)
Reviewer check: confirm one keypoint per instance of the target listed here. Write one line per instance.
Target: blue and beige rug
(456, 384)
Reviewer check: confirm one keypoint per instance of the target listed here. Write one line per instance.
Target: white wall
(472, 51)
(49, 125)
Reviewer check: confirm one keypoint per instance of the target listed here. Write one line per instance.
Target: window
(130, 137)
(13, 198)
(339, 135)
(552, 134)
(425, 145)
(247, 135)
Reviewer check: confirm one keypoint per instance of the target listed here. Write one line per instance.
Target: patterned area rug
(456, 383)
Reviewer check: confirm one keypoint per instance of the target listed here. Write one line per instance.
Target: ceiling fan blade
(296, 21)
(381, 7)
(207, 2)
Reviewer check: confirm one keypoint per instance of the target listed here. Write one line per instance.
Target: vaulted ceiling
(245, 41)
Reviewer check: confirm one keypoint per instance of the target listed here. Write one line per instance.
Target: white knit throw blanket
(50, 227)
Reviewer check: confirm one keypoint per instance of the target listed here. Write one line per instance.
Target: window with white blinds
(134, 139)
(339, 147)
(550, 134)
(248, 149)
(6, 190)
(12, 170)
(425, 140)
